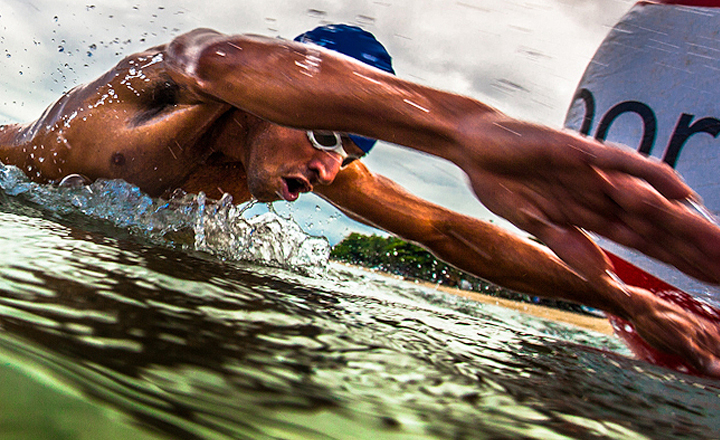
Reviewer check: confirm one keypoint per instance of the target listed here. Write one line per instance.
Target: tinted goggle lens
(328, 141)
(331, 142)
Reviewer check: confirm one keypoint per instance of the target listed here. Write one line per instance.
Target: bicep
(248, 72)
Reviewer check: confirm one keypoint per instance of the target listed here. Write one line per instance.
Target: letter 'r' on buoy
(652, 86)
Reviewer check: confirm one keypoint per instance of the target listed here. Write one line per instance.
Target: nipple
(118, 159)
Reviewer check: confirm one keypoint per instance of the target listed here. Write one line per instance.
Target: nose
(325, 165)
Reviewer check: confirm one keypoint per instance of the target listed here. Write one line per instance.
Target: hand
(555, 185)
(674, 330)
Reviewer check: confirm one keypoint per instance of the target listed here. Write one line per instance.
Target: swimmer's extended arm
(472, 245)
(545, 181)
(490, 252)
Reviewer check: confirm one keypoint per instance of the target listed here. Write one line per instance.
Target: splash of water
(214, 226)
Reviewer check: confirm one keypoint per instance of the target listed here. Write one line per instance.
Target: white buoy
(653, 85)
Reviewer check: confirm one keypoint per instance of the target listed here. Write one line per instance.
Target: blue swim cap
(355, 43)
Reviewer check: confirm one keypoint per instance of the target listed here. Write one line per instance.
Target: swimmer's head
(355, 43)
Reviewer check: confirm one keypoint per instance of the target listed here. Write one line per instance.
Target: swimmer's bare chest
(134, 123)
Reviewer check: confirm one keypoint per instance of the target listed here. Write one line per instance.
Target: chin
(265, 197)
(261, 192)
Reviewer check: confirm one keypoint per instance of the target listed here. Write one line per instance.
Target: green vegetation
(398, 257)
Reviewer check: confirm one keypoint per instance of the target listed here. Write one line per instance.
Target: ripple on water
(193, 345)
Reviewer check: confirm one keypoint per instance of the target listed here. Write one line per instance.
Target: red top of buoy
(703, 3)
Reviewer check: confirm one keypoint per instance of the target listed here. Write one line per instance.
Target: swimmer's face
(281, 163)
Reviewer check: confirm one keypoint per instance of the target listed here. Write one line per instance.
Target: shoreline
(600, 325)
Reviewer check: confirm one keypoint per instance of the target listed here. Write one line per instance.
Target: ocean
(123, 316)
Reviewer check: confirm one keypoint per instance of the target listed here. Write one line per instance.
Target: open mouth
(292, 187)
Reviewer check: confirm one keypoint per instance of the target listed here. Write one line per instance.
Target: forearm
(475, 246)
(518, 264)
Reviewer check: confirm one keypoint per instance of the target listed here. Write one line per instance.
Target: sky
(524, 57)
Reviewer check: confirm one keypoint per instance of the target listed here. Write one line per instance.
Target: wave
(217, 227)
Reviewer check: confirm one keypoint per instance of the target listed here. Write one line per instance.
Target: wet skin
(136, 124)
(217, 114)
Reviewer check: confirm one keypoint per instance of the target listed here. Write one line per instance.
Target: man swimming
(271, 119)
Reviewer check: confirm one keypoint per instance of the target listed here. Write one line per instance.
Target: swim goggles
(333, 143)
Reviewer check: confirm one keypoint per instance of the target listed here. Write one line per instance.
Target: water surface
(113, 329)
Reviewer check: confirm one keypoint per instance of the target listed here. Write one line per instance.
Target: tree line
(399, 257)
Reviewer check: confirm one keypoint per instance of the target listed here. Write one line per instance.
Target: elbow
(186, 51)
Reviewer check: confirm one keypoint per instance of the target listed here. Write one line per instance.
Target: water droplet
(316, 13)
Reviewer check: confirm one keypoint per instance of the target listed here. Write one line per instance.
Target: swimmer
(270, 119)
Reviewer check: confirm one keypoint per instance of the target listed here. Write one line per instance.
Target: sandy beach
(588, 322)
(600, 325)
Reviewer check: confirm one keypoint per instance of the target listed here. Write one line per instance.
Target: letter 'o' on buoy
(652, 86)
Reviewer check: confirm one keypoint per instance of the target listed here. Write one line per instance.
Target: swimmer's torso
(133, 123)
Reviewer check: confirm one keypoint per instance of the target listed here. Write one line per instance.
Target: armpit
(162, 95)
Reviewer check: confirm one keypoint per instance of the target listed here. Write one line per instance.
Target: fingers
(621, 207)
(671, 250)
(658, 174)
(711, 366)
(672, 329)
(663, 229)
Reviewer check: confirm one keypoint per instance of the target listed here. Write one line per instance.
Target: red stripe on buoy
(635, 276)
(700, 3)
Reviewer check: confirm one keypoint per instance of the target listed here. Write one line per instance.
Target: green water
(108, 334)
